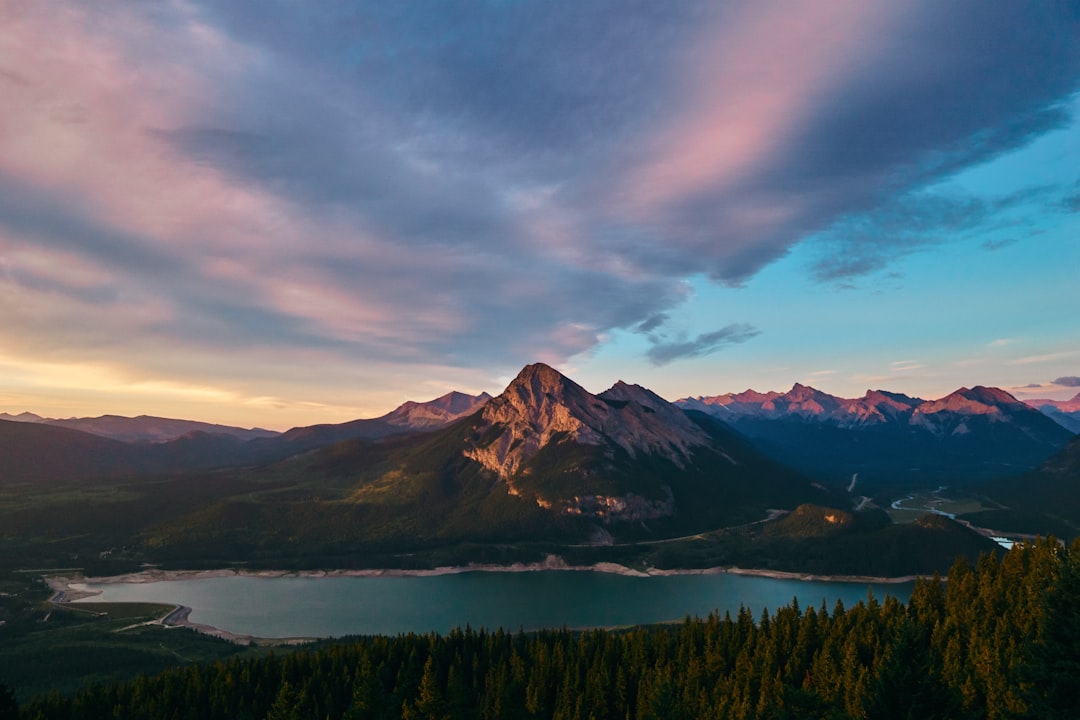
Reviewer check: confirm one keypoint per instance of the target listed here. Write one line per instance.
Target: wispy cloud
(1067, 381)
(901, 366)
(663, 351)
(1047, 357)
(652, 323)
(865, 243)
(998, 244)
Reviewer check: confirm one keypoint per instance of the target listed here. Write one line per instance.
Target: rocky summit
(541, 405)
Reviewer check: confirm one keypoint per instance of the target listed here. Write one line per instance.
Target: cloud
(1067, 381)
(1048, 357)
(652, 323)
(998, 244)
(911, 222)
(743, 171)
(663, 352)
(905, 366)
(250, 190)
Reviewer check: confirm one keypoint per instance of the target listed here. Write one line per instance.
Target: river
(291, 606)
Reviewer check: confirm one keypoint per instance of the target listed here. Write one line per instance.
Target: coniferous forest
(997, 640)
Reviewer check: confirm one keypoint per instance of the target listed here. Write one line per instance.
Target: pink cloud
(85, 96)
(759, 71)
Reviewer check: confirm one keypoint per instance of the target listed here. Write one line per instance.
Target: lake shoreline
(66, 590)
(72, 588)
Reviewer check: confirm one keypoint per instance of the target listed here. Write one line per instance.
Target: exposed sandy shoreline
(71, 588)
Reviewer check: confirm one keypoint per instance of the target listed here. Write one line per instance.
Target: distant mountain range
(143, 429)
(409, 417)
(881, 438)
(1065, 412)
(36, 449)
(889, 438)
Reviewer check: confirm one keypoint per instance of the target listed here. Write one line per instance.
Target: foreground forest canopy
(998, 640)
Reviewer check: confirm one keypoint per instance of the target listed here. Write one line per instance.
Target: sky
(276, 214)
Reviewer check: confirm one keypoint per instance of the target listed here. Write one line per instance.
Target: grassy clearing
(921, 503)
(46, 647)
(130, 612)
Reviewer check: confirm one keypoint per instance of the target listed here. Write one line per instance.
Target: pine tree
(9, 709)
(288, 705)
(1054, 670)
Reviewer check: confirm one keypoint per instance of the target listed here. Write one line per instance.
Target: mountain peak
(538, 372)
(539, 383)
(979, 400)
(541, 406)
(22, 417)
(434, 413)
(991, 395)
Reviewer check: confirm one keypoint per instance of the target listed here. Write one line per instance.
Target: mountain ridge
(1065, 412)
(970, 434)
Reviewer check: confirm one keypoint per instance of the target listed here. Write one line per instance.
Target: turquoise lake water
(280, 607)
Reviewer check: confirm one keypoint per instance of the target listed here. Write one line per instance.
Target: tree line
(1000, 639)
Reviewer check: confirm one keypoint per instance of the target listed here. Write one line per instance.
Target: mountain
(541, 406)
(47, 454)
(625, 455)
(22, 417)
(144, 428)
(55, 451)
(1064, 412)
(434, 413)
(407, 418)
(148, 429)
(891, 438)
(36, 452)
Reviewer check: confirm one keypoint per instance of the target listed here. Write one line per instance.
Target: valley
(544, 468)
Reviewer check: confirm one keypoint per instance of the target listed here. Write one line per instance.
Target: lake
(279, 607)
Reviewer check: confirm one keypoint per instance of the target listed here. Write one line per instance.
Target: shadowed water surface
(336, 606)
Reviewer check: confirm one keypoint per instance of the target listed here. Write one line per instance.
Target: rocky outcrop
(541, 405)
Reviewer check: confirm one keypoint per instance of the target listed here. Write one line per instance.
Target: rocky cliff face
(541, 407)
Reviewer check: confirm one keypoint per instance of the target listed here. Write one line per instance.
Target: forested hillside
(998, 640)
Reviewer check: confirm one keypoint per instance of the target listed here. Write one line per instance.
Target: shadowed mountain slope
(1064, 412)
(1045, 500)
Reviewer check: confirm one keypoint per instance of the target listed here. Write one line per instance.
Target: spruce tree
(9, 709)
